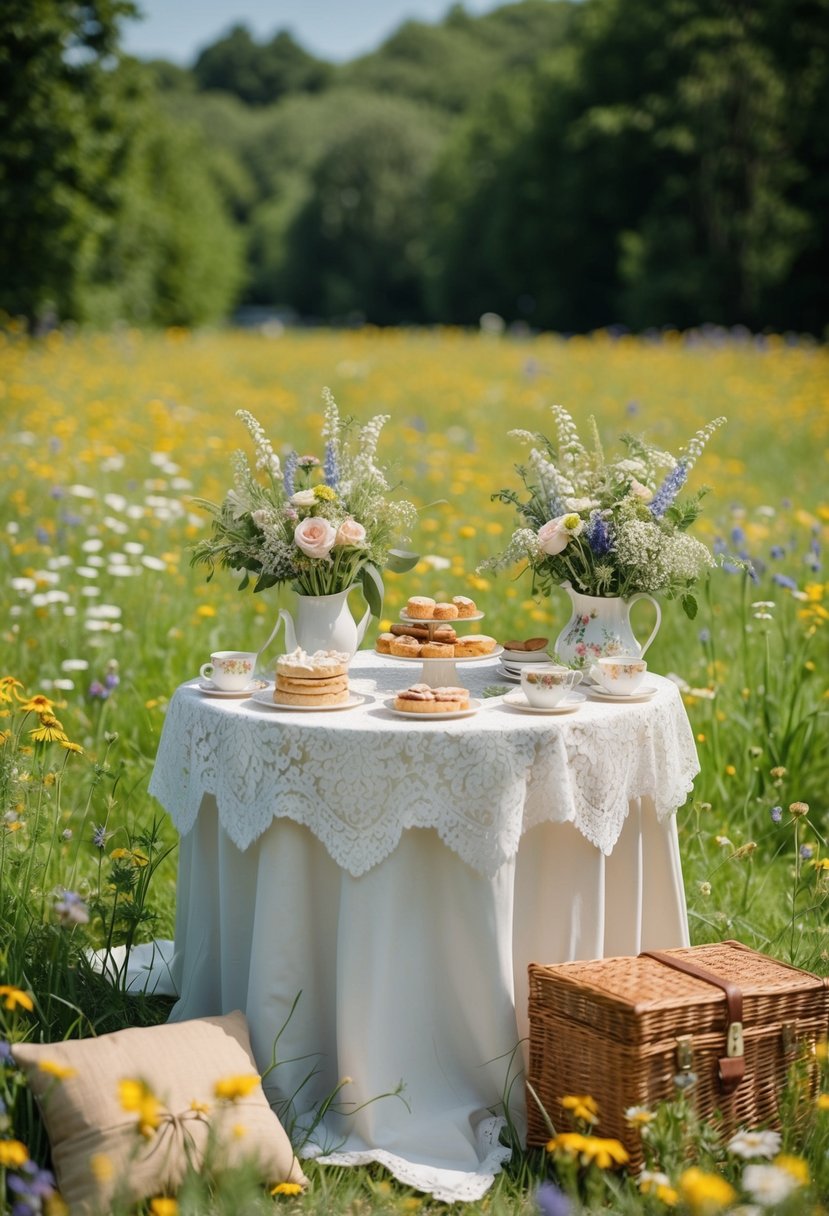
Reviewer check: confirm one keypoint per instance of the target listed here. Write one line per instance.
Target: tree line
(566, 165)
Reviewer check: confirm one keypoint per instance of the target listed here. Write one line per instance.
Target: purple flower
(97, 691)
(669, 489)
(806, 851)
(330, 468)
(100, 836)
(289, 473)
(776, 813)
(111, 680)
(704, 636)
(738, 536)
(776, 552)
(307, 462)
(551, 1201)
(783, 580)
(632, 408)
(597, 534)
(5, 1052)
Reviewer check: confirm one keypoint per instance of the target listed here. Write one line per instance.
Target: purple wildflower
(100, 836)
(704, 636)
(71, 909)
(806, 851)
(289, 473)
(111, 680)
(97, 691)
(776, 813)
(551, 1201)
(632, 408)
(5, 1052)
(776, 552)
(783, 580)
(669, 489)
(331, 468)
(597, 534)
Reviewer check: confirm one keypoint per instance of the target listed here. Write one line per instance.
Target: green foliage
(259, 74)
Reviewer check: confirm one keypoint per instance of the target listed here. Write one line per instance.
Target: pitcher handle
(643, 595)
(282, 615)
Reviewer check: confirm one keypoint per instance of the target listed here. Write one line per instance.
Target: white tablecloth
(400, 876)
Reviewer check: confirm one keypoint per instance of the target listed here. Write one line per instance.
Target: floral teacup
(545, 685)
(230, 670)
(620, 674)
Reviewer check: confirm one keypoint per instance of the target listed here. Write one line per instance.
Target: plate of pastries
(433, 704)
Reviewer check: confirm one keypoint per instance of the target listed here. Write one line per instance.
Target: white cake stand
(440, 673)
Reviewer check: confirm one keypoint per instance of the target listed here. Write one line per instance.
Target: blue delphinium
(598, 534)
(783, 580)
(330, 469)
(669, 489)
(289, 472)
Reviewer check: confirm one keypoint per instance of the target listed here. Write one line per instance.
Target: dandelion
(231, 1089)
(137, 1098)
(286, 1188)
(705, 1193)
(15, 998)
(755, 1144)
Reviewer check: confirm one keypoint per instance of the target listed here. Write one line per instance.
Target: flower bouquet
(319, 525)
(610, 527)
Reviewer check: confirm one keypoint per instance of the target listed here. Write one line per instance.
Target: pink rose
(351, 533)
(552, 537)
(315, 536)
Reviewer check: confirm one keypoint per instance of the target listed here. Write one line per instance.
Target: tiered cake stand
(439, 673)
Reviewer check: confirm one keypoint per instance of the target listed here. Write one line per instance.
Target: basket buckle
(685, 1052)
(734, 1045)
(788, 1036)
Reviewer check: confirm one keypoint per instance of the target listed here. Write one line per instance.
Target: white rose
(304, 498)
(580, 504)
(351, 534)
(315, 536)
(552, 537)
(260, 517)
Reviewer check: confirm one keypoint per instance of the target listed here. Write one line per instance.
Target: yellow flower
(730, 770)
(603, 1153)
(823, 1102)
(231, 1089)
(205, 610)
(49, 731)
(200, 1108)
(38, 704)
(163, 1207)
(15, 997)
(239, 1131)
(822, 1050)
(466, 532)
(795, 1166)
(9, 685)
(324, 494)
(13, 1153)
(705, 1193)
(568, 1143)
(137, 1098)
(69, 746)
(581, 1107)
(821, 863)
(133, 855)
(286, 1188)
(54, 1069)
(101, 1166)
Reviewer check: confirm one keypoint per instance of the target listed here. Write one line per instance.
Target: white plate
(527, 656)
(474, 706)
(210, 690)
(458, 658)
(506, 674)
(518, 701)
(431, 620)
(266, 698)
(615, 698)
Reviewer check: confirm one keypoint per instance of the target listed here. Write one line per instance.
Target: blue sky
(332, 29)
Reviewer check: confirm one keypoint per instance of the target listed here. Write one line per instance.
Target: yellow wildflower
(133, 855)
(324, 494)
(70, 746)
(286, 1188)
(823, 1102)
(822, 1051)
(15, 997)
(795, 1166)
(200, 1108)
(38, 704)
(821, 863)
(61, 1071)
(163, 1207)
(13, 1153)
(231, 1089)
(705, 1193)
(205, 610)
(569, 1143)
(9, 685)
(582, 1107)
(603, 1153)
(137, 1098)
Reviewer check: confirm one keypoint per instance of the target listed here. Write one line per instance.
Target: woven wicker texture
(609, 1028)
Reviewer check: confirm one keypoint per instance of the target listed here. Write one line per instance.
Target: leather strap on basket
(732, 1065)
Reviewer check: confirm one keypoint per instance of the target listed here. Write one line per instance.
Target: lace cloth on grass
(358, 778)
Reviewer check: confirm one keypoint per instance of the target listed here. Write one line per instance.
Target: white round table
(399, 876)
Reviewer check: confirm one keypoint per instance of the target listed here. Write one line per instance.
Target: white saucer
(614, 698)
(210, 690)
(474, 706)
(520, 657)
(517, 700)
(266, 698)
(506, 674)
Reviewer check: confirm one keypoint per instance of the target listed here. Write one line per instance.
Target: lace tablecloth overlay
(358, 778)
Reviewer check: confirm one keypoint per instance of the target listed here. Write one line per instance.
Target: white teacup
(545, 685)
(230, 670)
(620, 674)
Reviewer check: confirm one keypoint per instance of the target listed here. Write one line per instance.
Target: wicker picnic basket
(622, 1029)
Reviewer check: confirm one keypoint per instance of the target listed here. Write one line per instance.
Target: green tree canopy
(259, 73)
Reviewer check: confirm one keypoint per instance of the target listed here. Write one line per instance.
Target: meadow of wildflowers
(106, 442)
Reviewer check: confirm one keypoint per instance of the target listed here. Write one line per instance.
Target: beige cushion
(97, 1149)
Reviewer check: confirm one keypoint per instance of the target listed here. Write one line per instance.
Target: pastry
(311, 687)
(310, 700)
(319, 665)
(383, 643)
(405, 648)
(474, 644)
(421, 607)
(529, 644)
(437, 650)
(442, 633)
(445, 612)
(464, 605)
(421, 699)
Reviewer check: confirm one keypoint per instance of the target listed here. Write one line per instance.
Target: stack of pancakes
(311, 681)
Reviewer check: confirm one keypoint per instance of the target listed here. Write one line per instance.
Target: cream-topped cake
(312, 680)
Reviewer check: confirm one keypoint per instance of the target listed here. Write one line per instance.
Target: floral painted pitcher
(600, 625)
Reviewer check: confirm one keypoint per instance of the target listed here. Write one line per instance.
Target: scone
(310, 687)
(421, 607)
(474, 644)
(445, 612)
(437, 650)
(464, 605)
(404, 648)
(383, 643)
